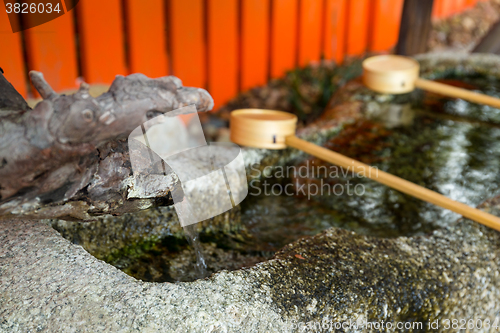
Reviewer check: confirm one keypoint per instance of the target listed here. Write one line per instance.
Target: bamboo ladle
(393, 74)
(276, 130)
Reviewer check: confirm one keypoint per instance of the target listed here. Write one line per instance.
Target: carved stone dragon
(67, 156)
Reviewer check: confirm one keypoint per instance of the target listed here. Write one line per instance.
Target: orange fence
(446, 8)
(226, 46)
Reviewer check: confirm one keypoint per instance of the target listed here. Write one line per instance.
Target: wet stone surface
(447, 145)
(442, 269)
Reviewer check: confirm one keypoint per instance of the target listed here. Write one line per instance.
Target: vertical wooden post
(51, 50)
(415, 27)
(310, 15)
(187, 40)
(147, 42)
(101, 40)
(254, 43)
(284, 19)
(358, 15)
(335, 26)
(222, 50)
(386, 19)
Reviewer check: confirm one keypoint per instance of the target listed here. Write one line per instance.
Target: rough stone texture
(66, 158)
(49, 284)
(452, 274)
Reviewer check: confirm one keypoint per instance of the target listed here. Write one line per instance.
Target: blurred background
(230, 46)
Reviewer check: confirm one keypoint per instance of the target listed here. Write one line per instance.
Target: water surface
(450, 146)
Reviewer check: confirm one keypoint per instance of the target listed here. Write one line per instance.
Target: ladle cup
(393, 74)
(276, 130)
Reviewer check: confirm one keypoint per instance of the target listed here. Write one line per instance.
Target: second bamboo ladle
(276, 130)
(392, 74)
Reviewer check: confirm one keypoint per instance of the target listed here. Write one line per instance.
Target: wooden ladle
(276, 130)
(392, 74)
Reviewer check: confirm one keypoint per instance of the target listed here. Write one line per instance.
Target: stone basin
(337, 276)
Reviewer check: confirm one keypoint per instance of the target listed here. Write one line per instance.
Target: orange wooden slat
(283, 36)
(437, 9)
(147, 43)
(51, 49)
(357, 26)
(11, 56)
(470, 3)
(335, 14)
(222, 50)
(464, 5)
(101, 40)
(187, 41)
(384, 31)
(458, 6)
(310, 24)
(254, 43)
(447, 8)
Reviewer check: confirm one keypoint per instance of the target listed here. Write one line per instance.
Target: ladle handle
(394, 182)
(447, 90)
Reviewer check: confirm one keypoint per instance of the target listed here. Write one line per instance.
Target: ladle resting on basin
(392, 74)
(276, 130)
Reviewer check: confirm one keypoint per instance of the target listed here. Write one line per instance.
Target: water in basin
(451, 146)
